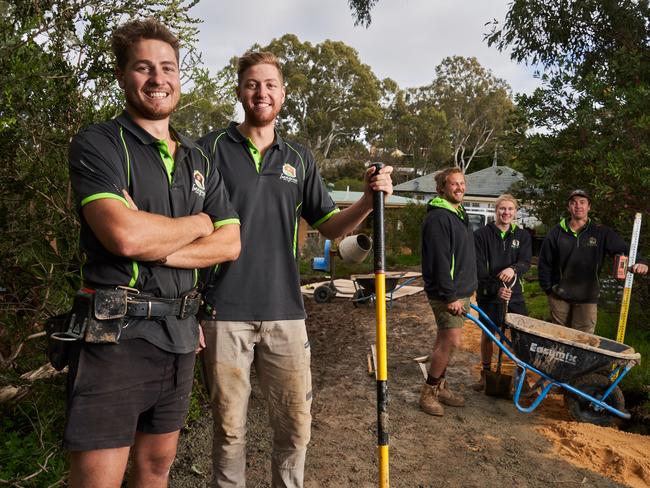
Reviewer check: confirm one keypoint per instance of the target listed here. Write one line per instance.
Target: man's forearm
(221, 246)
(141, 235)
(347, 220)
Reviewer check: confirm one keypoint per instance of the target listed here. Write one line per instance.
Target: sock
(487, 366)
(433, 381)
(444, 372)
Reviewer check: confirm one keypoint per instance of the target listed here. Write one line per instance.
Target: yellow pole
(380, 318)
(629, 280)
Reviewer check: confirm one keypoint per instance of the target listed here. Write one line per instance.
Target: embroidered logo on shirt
(592, 242)
(515, 244)
(289, 173)
(199, 184)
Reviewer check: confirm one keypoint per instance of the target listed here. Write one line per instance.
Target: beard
(261, 119)
(147, 111)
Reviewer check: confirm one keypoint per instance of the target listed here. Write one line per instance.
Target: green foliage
(30, 445)
(361, 11)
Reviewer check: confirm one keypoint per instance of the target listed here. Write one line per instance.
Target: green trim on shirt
(324, 219)
(296, 222)
(135, 273)
(99, 196)
(221, 223)
(128, 159)
(255, 153)
(167, 158)
(442, 203)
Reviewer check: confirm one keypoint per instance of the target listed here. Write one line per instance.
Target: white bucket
(354, 249)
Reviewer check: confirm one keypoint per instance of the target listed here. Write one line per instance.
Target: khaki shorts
(445, 320)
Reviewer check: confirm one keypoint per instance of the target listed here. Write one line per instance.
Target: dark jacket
(569, 262)
(496, 251)
(448, 260)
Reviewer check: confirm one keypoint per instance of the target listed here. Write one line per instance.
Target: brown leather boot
(429, 400)
(448, 397)
(480, 384)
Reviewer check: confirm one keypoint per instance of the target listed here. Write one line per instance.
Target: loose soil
(488, 443)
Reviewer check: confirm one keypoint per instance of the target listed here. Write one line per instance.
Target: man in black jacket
(570, 262)
(449, 272)
(503, 253)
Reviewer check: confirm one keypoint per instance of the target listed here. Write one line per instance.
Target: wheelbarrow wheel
(583, 410)
(323, 294)
(361, 297)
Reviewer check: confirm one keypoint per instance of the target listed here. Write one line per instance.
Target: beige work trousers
(281, 354)
(579, 316)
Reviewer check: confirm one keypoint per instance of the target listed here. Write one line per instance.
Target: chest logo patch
(592, 242)
(515, 244)
(198, 186)
(289, 174)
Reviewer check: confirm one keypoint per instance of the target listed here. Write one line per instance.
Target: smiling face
(261, 94)
(151, 80)
(505, 213)
(454, 190)
(579, 208)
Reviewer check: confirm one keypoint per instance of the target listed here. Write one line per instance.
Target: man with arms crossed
(152, 210)
(255, 313)
(570, 261)
(449, 272)
(503, 253)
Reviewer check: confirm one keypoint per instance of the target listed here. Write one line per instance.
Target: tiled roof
(492, 181)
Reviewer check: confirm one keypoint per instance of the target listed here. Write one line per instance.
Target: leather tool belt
(139, 305)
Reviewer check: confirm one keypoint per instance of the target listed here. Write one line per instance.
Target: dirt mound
(618, 455)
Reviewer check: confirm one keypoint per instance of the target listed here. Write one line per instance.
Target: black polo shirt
(264, 283)
(119, 154)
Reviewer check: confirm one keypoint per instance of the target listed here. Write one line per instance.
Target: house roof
(492, 182)
(345, 198)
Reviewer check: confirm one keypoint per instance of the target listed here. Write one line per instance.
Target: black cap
(579, 193)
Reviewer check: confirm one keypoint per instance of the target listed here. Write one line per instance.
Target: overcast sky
(406, 40)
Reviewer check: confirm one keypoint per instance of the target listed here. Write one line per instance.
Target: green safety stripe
(324, 219)
(295, 230)
(221, 223)
(134, 274)
(167, 158)
(196, 276)
(99, 196)
(453, 266)
(302, 162)
(128, 159)
(257, 156)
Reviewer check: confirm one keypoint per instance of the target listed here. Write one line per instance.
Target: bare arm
(220, 246)
(141, 235)
(348, 219)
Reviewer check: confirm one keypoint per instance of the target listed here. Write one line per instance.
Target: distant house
(482, 189)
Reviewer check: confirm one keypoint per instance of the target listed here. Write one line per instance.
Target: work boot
(448, 397)
(429, 400)
(480, 384)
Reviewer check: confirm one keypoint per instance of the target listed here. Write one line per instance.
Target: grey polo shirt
(119, 154)
(270, 197)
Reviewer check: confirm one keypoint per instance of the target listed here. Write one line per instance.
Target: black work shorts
(495, 310)
(115, 390)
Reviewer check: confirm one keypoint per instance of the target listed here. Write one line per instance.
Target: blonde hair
(506, 197)
(253, 58)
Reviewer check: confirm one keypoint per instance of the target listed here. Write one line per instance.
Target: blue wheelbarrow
(587, 368)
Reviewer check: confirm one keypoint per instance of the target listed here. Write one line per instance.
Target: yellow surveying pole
(629, 279)
(380, 317)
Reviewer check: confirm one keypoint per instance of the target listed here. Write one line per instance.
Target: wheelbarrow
(587, 368)
(364, 287)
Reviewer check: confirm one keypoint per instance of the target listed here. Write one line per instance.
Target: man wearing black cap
(570, 262)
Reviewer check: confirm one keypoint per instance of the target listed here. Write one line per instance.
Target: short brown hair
(506, 197)
(441, 177)
(253, 58)
(130, 33)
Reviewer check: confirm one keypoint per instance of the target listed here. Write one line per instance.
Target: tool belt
(98, 316)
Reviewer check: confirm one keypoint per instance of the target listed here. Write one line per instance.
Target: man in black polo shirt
(254, 306)
(152, 210)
